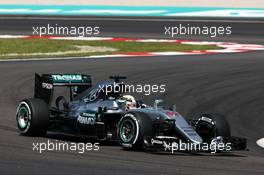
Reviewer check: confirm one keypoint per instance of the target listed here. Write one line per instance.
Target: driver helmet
(130, 102)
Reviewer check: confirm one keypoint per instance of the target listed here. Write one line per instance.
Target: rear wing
(44, 84)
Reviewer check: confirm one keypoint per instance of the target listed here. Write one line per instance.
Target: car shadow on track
(71, 138)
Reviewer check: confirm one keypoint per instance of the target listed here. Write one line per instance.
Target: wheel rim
(127, 130)
(23, 117)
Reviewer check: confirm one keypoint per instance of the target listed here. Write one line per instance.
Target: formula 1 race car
(103, 112)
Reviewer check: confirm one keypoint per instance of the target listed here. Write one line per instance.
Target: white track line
(260, 142)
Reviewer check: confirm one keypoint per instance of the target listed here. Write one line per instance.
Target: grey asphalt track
(232, 84)
(243, 30)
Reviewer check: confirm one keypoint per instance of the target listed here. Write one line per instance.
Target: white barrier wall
(185, 3)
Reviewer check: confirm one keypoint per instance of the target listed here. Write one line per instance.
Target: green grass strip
(39, 48)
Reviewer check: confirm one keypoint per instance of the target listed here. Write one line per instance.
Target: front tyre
(133, 129)
(32, 117)
(209, 126)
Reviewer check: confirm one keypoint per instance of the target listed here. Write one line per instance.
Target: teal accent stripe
(128, 11)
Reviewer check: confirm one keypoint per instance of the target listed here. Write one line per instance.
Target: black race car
(93, 113)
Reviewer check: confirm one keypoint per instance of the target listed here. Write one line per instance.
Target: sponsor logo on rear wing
(45, 83)
(70, 79)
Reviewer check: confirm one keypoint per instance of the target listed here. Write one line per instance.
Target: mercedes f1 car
(90, 112)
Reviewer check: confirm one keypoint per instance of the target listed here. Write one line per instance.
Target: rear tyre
(209, 126)
(32, 117)
(133, 130)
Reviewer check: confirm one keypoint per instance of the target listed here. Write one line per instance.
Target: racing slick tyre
(32, 117)
(133, 130)
(209, 126)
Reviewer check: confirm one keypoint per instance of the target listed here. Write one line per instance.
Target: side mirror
(157, 102)
(174, 109)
